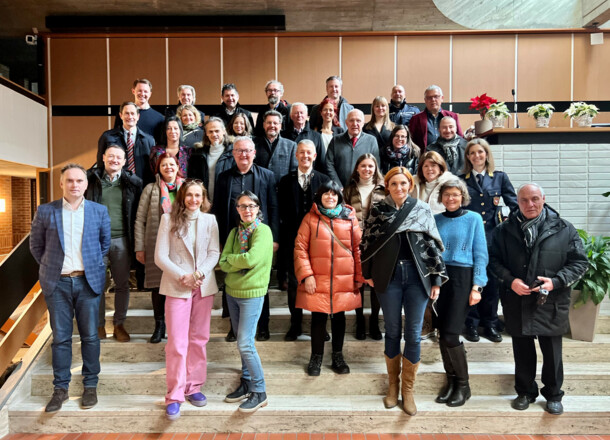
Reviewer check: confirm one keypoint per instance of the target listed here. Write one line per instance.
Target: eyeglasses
(273, 90)
(239, 152)
(194, 181)
(398, 136)
(452, 195)
(247, 207)
(429, 98)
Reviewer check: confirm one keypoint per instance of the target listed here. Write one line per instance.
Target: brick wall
(6, 218)
(573, 177)
(22, 205)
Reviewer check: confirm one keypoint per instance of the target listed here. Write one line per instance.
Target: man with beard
(274, 91)
(450, 145)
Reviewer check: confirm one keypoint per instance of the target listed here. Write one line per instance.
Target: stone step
(278, 350)
(370, 378)
(299, 413)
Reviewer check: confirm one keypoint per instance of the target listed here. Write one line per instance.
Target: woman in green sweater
(246, 259)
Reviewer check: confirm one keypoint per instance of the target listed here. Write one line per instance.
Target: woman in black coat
(400, 151)
(487, 188)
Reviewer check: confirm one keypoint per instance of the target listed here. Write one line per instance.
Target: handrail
(22, 91)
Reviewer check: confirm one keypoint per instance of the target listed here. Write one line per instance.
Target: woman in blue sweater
(466, 259)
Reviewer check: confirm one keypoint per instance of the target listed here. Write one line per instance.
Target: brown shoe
(89, 399)
(60, 395)
(120, 334)
(101, 332)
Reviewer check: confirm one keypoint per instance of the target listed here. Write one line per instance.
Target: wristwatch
(478, 289)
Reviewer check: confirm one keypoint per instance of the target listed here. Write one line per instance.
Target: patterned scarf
(330, 213)
(449, 148)
(166, 202)
(245, 231)
(190, 127)
(530, 227)
(392, 153)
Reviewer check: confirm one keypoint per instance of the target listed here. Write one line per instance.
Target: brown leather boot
(393, 365)
(409, 371)
(120, 334)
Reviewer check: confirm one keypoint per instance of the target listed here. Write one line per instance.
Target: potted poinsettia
(582, 113)
(542, 113)
(497, 114)
(481, 104)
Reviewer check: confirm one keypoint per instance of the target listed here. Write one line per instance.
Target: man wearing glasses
(274, 91)
(246, 175)
(425, 126)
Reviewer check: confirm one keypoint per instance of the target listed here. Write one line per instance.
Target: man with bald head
(345, 149)
(400, 111)
(450, 145)
(425, 126)
(536, 256)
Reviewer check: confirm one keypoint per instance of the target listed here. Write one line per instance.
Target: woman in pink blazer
(187, 251)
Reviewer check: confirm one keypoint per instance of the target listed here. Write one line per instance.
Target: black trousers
(318, 331)
(296, 314)
(485, 313)
(158, 302)
(524, 352)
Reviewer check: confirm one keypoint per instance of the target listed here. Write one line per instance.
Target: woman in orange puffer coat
(327, 267)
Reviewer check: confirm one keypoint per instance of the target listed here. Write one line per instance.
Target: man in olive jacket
(536, 256)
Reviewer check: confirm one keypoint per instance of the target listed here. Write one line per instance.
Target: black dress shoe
(292, 334)
(472, 334)
(492, 334)
(230, 336)
(263, 335)
(554, 407)
(522, 402)
(326, 337)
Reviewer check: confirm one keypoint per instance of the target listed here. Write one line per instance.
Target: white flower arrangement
(540, 111)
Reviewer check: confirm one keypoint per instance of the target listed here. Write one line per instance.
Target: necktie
(305, 181)
(480, 180)
(131, 162)
(354, 140)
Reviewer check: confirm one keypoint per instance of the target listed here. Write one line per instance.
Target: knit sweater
(248, 274)
(465, 243)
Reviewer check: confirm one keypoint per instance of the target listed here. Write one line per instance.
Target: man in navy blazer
(425, 126)
(69, 239)
(143, 142)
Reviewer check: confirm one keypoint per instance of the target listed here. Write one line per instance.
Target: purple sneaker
(197, 399)
(172, 411)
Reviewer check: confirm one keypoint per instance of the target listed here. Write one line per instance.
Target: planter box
(583, 320)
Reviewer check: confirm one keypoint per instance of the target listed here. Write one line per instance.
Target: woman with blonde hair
(380, 124)
(187, 251)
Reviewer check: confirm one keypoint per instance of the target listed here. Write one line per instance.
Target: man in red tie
(345, 149)
(134, 141)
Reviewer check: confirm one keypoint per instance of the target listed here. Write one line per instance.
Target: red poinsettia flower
(482, 103)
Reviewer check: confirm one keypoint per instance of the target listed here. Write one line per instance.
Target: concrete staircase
(132, 386)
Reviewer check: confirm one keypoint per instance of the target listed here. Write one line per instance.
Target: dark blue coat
(142, 146)
(485, 200)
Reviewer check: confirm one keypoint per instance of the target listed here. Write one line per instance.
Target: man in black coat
(298, 129)
(230, 105)
(296, 193)
(536, 256)
(274, 91)
(122, 136)
(246, 175)
(119, 190)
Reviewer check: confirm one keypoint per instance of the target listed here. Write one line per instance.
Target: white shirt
(215, 153)
(133, 133)
(303, 176)
(73, 224)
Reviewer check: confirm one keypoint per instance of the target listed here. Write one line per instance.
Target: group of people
(403, 204)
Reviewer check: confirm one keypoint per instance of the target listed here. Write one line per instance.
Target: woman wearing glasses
(187, 251)
(401, 151)
(246, 258)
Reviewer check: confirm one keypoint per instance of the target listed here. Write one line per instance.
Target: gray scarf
(449, 148)
(530, 227)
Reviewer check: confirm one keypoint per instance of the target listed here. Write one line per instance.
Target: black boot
(159, 332)
(461, 390)
(339, 365)
(374, 328)
(315, 364)
(447, 390)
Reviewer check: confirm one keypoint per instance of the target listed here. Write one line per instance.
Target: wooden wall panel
(421, 62)
(78, 72)
(304, 63)
(249, 63)
(495, 76)
(132, 58)
(70, 145)
(591, 69)
(195, 61)
(543, 67)
(367, 68)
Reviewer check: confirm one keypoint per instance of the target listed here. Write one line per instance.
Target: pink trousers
(188, 332)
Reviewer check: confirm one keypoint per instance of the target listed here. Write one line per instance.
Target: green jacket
(248, 274)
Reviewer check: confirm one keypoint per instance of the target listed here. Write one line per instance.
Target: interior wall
(91, 71)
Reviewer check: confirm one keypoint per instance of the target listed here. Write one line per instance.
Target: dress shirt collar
(68, 206)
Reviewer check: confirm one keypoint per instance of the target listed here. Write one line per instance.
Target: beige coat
(175, 258)
(419, 192)
(145, 231)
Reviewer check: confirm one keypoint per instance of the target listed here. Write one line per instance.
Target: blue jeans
(407, 292)
(71, 297)
(244, 314)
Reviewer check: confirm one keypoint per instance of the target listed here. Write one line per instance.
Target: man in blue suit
(69, 239)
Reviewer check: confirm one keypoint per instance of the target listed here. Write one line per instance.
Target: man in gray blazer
(274, 152)
(345, 149)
